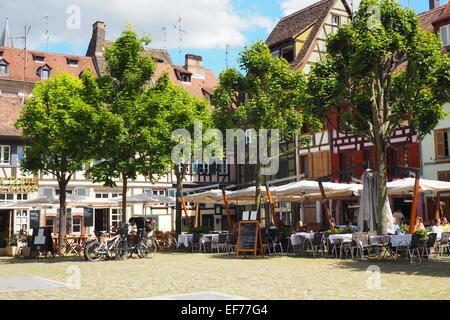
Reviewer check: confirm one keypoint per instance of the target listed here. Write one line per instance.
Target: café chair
(429, 244)
(444, 243)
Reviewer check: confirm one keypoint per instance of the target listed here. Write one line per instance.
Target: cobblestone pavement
(274, 277)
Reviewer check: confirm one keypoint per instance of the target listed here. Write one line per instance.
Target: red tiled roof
(57, 62)
(429, 18)
(9, 109)
(195, 87)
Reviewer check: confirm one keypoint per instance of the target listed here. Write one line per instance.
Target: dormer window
(3, 67)
(288, 53)
(38, 59)
(72, 62)
(445, 35)
(335, 21)
(275, 54)
(44, 72)
(185, 77)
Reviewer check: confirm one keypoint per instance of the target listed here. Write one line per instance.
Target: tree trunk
(258, 190)
(382, 188)
(62, 211)
(178, 210)
(124, 197)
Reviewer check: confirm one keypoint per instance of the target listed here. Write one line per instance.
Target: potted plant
(3, 243)
(423, 234)
(404, 228)
(11, 247)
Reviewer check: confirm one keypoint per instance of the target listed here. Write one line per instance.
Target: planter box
(2, 251)
(26, 252)
(11, 251)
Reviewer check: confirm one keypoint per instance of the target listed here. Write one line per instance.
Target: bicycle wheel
(146, 248)
(94, 251)
(122, 250)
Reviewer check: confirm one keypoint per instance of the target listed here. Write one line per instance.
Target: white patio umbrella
(406, 186)
(214, 196)
(311, 189)
(248, 194)
(145, 198)
(367, 215)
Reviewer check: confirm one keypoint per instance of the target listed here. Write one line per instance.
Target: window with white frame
(200, 167)
(51, 222)
(3, 67)
(445, 34)
(116, 216)
(48, 192)
(21, 152)
(159, 193)
(335, 21)
(81, 192)
(21, 196)
(102, 195)
(5, 154)
(172, 193)
(21, 220)
(76, 224)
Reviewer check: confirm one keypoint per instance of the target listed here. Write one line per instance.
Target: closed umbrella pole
(275, 220)
(438, 206)
(414, 204)
(188, 221)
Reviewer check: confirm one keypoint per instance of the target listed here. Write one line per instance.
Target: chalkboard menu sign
(88, 217)
(249, 238)
(35, 217)
(41, 241)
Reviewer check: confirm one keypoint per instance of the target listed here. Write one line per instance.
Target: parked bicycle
(105, 246)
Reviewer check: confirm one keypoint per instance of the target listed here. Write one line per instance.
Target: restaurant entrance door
(5, 223)
(101, 220)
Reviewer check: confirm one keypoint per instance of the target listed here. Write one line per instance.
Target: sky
(208, 27)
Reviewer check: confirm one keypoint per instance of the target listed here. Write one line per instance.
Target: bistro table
(185, 239)
(209, 238)
(344, 237)
(296, 240)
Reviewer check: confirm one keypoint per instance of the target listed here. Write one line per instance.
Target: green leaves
(382, 73)
(66, 132)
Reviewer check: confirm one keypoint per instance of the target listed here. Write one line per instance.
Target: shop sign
(18, 185)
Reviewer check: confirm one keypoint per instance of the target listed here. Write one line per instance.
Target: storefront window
(76, 224)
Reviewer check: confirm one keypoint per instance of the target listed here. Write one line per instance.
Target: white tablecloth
(208, 237)
(344, 237)
(185, 239)
(295, 238)
(401, 240)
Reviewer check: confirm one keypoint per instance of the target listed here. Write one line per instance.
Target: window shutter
(440, 144)
(69, 220)
(88, 217)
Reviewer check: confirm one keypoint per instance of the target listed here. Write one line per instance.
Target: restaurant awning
(71, 200)
(145, 198)
(406, 186)
(215, 196)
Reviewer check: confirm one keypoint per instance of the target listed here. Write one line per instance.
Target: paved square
(274, 277)
(32, 283)
(197, 296)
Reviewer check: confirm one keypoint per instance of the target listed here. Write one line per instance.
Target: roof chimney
(194, 64)
(434, 4)
(6, 39)
(97, 40)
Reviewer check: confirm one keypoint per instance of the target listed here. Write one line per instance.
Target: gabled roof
(57, 62)
(427, 18)
(445, 15)
(293, 25)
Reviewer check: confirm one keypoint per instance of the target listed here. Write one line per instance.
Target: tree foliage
(268, 94)
(64, 129)
(380, 71)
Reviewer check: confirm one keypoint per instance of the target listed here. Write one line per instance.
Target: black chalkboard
(35, 218)
(88, 217)
(248, 235)
(41, 240)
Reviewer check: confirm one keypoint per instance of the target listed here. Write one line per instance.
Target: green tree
(179, 110)
(66, 129)
(381, 70)
(136, 149)
(267, 95)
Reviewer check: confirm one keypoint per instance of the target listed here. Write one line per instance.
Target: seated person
(445, 225)
(396, 226)
(437, 225)
(419, 224)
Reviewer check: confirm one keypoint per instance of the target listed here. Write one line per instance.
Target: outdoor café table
(185, 239)
(401, 240)
(209, 238)
(344, 237)
(384, 242)
(296, 240)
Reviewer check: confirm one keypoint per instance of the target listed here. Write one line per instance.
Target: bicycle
(97, 250)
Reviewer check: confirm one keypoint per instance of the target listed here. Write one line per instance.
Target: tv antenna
(46, 30)
(27, 29)
(164, 31)
(180, 35)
